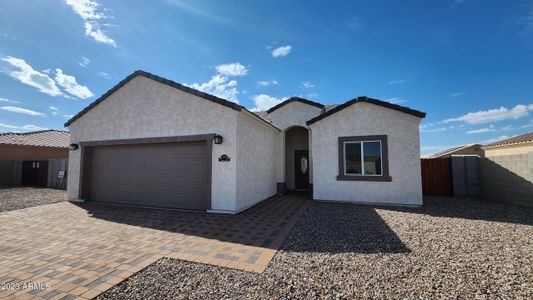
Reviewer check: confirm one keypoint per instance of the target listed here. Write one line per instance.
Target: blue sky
(468, 64)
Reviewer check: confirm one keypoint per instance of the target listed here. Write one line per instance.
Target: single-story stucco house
(153, 142)
(34, 158)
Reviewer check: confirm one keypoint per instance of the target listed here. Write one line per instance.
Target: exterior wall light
(73, 146)
(218, 139)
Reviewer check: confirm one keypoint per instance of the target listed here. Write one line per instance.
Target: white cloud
(27, 75)
(398, 81)
(264, 102)
(54, 111)
(84, 61)
(29, 127)
(8, 126)
(493, 115)
(92, 15)
(396, 100)
(103, 75)
(307, 84)
(480, 130)
(233, 69)
(71, 86)
(507, 128)
(8, 100)
(439, 129)
(282, 51)
(220, 86)
(68, 116)
(267, 82)
(21, 110)
(457, 94)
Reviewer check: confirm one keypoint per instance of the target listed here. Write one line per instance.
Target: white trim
(363, 158)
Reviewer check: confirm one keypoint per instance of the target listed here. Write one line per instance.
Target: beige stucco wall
(146, 108)
(361, 119)
(256, 154)
(516, 149)
(292, 114)
(11, 153)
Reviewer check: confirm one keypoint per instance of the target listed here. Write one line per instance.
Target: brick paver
(81, 250)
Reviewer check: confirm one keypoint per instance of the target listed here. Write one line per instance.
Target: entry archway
(297, 159)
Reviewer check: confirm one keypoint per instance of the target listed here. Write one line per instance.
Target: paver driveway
(80, 250)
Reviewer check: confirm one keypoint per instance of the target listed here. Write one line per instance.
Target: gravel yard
(12, 198)
(448, 249)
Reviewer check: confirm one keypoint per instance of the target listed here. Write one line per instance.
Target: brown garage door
(170, 175)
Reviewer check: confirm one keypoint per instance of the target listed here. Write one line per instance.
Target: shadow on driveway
(338, 228)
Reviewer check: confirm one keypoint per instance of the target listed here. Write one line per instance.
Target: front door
(35, 172)
(301, 169)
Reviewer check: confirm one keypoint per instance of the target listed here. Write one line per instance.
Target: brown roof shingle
(524, 138)
(44, 138)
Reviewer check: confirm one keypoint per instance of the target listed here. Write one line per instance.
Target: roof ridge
(366, 99)
(518, 139)
(298, 99)
(165, 81)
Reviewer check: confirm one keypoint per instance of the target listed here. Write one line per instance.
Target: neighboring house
(33, 158)
(152, 142)
(521, 144)
(470, 149)
(506, 172)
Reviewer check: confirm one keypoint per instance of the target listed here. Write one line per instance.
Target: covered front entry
(165, 175)
(297, 161)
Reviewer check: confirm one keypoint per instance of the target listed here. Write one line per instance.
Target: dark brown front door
(173, 175)
(301, 169)
(35, 172)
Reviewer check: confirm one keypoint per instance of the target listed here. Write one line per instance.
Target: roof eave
(377, 102)
(161, 80)
(295, 99)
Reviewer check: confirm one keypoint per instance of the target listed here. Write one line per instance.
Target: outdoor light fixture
(217, 139)
(73, 146)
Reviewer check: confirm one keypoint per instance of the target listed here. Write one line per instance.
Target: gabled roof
(44, 138)
(162, 80)
(296, 99)
(338, 108)
(452, 150)
(524, 138)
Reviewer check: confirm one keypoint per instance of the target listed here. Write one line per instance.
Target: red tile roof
(524, 138)
(44, 138)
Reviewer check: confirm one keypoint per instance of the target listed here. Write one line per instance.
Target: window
(363, 158)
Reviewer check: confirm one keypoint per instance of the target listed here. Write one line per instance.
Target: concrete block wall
(508, 178)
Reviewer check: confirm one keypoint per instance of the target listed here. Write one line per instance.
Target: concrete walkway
(67, 250)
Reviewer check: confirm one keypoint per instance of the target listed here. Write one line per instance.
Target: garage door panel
(174, 175)
(198, 167)
(163, 165)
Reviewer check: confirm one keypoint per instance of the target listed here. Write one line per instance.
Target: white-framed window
(363, 158)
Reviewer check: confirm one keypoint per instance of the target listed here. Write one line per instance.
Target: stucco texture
(362, 119)
(256, 154)
(290, 115)
(146, 108)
